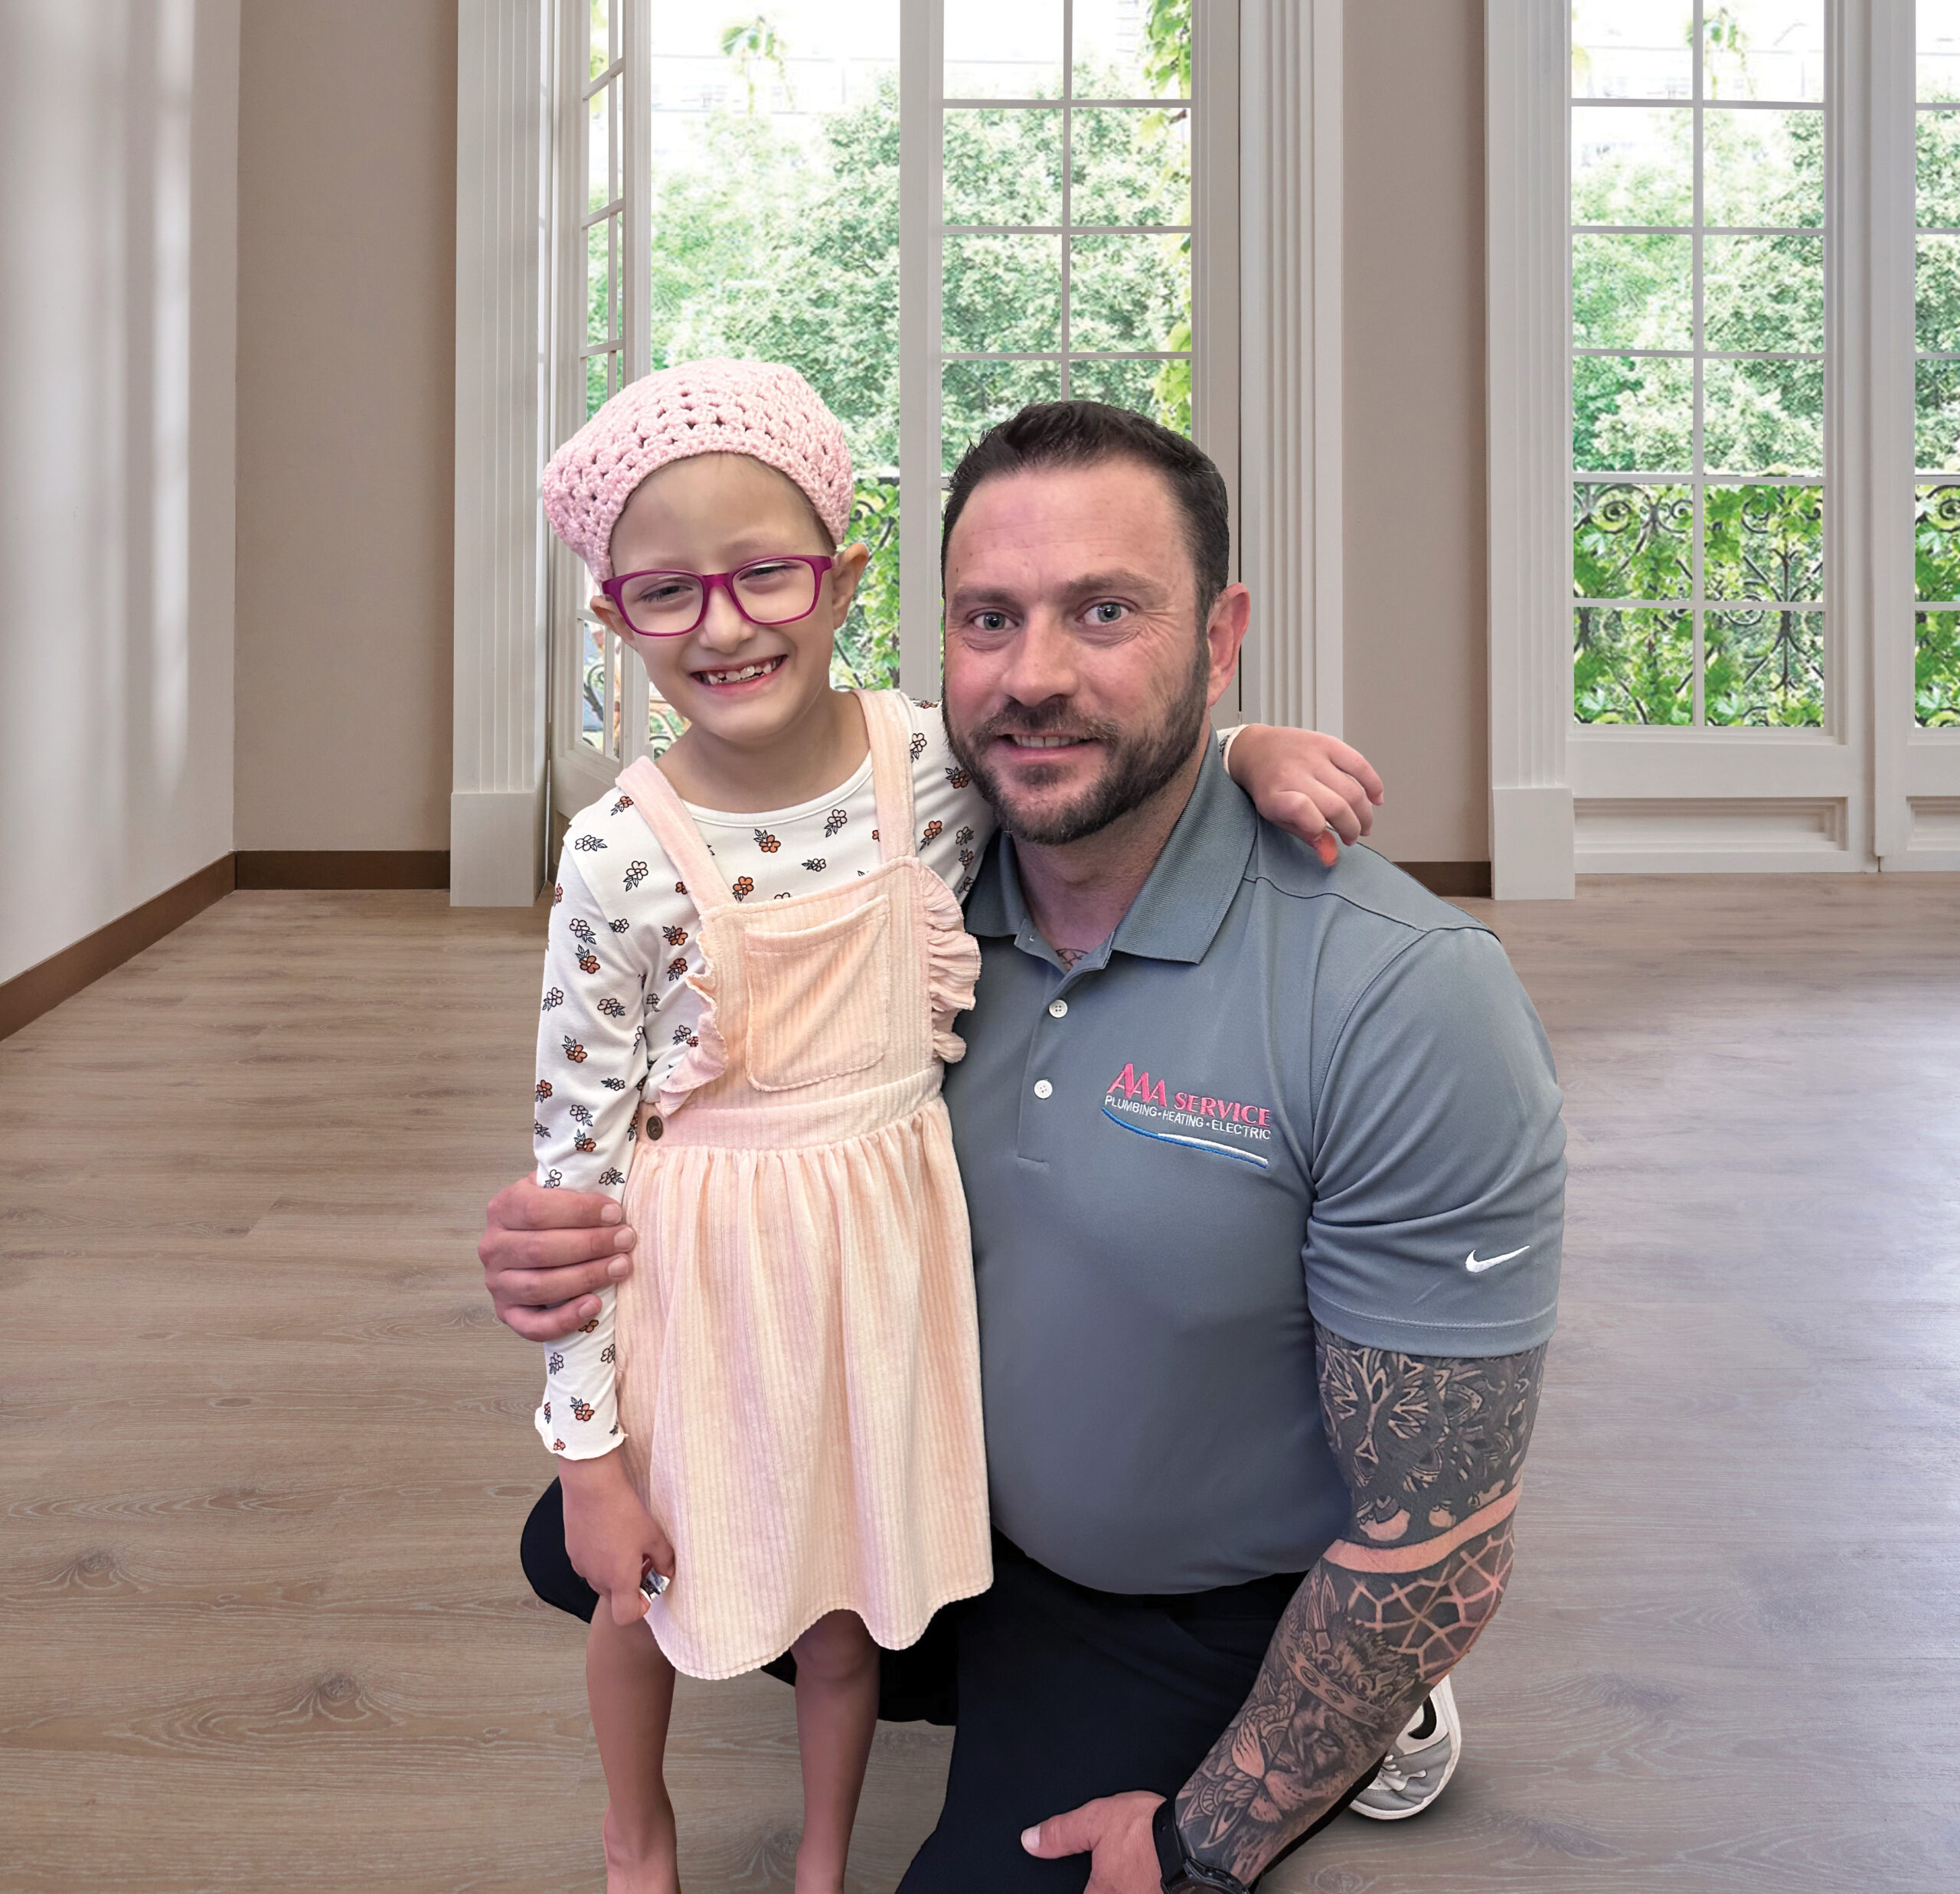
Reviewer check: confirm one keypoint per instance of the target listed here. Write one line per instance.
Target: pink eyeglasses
(774, 591)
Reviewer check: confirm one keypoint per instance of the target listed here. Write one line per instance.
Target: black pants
(1062, 1694)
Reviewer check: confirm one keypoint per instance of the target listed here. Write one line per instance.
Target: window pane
(1763, 292)
(1632, 49)
(1762, 168)
(1631, 542)
(1763, 669)
(1632, 166)
(1632, 292)
(1762, 542)
(1161, 390)
(1634, 667)
(1003, 49)
(866, 652)
(602, 154)
(774, 198)
(1939, 49)
(974, 395)
(1763, 49)
(1936, 670)
(1936, 543)
(1938, 170)
(1763, 416)
(1633, 412)
(1003, 167)
(1002, 294)
(602, 277)
(1125, 51)
(1128, 292)
(1936, 392)
(1130, 167)
(591, 684)
(1936, 294)
(603, 49)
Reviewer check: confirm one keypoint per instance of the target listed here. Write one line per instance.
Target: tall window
(1936, 389)
(1699, 254)
(767, 212)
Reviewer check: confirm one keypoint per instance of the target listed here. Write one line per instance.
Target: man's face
(1077, 677)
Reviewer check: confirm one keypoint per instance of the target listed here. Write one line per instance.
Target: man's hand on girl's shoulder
(546, 1254)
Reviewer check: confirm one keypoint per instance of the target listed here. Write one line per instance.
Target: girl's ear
(602, 609)
(847, 569)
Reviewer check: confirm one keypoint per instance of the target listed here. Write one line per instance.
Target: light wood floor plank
(266, 1455)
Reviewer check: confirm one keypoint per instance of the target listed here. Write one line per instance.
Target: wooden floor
(265, 1455)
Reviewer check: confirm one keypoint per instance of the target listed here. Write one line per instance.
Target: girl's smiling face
(745, 684)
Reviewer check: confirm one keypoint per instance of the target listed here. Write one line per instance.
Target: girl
(756, 958)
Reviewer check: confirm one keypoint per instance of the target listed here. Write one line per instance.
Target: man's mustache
(1053, 718)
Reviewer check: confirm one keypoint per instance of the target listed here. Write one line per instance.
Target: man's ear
(1225, 628)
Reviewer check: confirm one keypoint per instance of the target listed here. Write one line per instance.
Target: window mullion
(922, 149)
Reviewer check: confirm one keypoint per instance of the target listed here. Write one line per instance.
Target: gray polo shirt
(1281, 1094)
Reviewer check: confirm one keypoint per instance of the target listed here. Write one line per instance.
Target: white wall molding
(1526, 56)
(496, 802)
(1290, 316)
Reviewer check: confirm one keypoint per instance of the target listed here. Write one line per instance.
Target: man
(1265, 1172)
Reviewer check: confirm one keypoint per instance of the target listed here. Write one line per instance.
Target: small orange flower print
(588, 961)
(544, 1090)
(676, 967)
(574, 1051)
(957, 777)
(557, 894)
(766, 842)
(581, 1410)
(744, 887)
(933, 831)
(675, 937)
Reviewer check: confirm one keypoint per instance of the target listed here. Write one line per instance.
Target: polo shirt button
(654, 1127)
(1058, 1009)
(1043, 1090)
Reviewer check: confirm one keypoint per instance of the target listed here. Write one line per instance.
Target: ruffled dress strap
(659, 805)
(888, 725)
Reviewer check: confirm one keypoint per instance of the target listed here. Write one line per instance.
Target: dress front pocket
(820, 998)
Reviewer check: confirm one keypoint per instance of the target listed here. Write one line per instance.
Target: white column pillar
(497, 786)
(1526, 62)
(1289, 484)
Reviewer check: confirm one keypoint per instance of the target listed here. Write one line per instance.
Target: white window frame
(1869, 790)
(1267, 323)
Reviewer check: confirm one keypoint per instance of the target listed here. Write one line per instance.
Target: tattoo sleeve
(1433, 1450)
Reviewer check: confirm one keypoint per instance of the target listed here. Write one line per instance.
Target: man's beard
(1135, 769)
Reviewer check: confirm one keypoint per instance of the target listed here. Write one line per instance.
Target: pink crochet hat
(718, 406)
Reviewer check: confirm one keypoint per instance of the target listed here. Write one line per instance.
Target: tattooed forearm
(1431, 1450)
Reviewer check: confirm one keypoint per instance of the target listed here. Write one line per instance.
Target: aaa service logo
(1226, 1128)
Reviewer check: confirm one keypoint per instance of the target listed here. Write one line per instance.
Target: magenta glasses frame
(614, 589)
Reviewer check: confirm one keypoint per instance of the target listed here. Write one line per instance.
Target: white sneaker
(1420, 1763)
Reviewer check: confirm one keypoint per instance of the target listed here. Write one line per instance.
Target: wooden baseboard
(343, 867)
(28, 995)
(1469, 879)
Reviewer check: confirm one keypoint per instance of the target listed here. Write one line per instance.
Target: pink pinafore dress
(799, 1371)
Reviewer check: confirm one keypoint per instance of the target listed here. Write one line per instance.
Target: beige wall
(118, 176)
(1413, 503)
(346, 348)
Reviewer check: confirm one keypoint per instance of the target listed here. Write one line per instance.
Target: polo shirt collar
(1180, 908)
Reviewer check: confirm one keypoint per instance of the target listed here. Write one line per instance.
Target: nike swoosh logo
(1477, 1265)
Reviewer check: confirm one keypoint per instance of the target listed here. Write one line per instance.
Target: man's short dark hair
(1081, 433)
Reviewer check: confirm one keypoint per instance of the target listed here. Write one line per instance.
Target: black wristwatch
(1181, 1874)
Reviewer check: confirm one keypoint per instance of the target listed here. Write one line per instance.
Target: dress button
(654, 1128)
(1043, 1090)
(1058, 1009)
